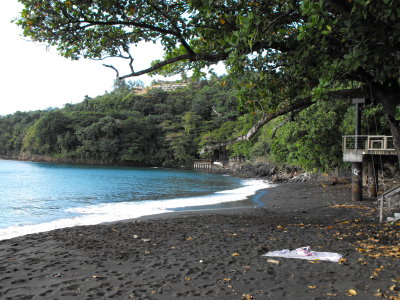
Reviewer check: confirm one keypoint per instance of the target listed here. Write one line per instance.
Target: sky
(33, 77)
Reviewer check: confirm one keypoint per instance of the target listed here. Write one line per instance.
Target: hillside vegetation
(171, 128)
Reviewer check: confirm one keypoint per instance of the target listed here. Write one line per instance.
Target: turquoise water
(37, 197)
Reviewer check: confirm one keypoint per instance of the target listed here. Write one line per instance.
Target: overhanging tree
(284, 54)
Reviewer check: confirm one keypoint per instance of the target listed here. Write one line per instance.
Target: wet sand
(215, 254)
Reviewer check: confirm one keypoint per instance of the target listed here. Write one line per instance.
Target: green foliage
(13, 130)
(375, 121)
(242, 126)
(100, 140)
(365, 45)
(262, 145)
(219, 135)
(314, 139)
(182, 136)
(229, 131)
(278, 53)
(170, 128)
(159, 128)
(43, 136)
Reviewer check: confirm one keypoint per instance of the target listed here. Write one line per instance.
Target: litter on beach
(305, 253)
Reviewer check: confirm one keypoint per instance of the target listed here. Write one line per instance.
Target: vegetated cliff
(168, 129)
(122, 128)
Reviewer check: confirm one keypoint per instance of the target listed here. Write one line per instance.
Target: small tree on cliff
(285, 54)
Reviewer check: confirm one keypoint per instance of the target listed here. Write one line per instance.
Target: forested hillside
(156, 129)
(288, 59)
(171, 128)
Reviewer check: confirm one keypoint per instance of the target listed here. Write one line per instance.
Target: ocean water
(37, 197)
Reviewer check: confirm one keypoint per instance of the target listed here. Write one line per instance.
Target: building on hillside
(163, 85)
(169, 85)
(139, 90)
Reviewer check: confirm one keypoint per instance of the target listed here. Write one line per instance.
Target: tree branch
(128, 23)
(177, 29)
(191, 57)
(296, 107)
(287, 120)
(207, 57)
(215, 111)
(114, 68)
(266, 117)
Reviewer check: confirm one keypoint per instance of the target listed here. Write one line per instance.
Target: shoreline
(213, 254)
(105, 213)
(249, 170)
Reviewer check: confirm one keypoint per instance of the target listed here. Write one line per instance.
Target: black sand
(214, 254)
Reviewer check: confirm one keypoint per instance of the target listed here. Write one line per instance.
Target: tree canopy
(120, 127)
(284, 55)
(169, 128)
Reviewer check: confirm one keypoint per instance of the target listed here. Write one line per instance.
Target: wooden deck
(356, 146)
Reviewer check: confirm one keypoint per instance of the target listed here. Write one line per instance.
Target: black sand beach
(215, 254)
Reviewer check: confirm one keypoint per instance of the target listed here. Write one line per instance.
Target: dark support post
(356, 181)
(372, 179)
(356, 178)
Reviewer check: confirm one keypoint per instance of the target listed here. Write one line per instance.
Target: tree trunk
(390, 99)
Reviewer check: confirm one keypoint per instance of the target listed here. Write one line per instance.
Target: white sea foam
(111, 212)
